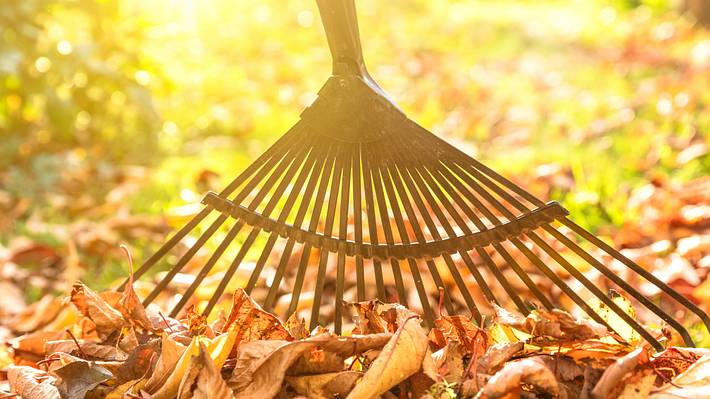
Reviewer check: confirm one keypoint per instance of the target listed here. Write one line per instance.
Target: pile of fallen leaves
(107, 345)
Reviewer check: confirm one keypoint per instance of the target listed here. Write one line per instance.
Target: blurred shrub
(71, 75)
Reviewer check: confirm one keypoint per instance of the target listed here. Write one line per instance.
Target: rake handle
(340, 23)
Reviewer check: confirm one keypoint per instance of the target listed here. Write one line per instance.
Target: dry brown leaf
(562, 325)
(254, 323)
(373, 317)
(693, 383)
(262, 365)
(564, 368)
(108, 320)
(615, 373)
(91, 349)
(400, 358)
(496, 355)
(77, 378)
(203, 380)
(448, 362)
(324, 386)
(36, 315)
(139, 362)
(317, 361)
(461, 329)
(30, 347)
(121, 391)
(297, 327)
(170, 353)
(352, 345)
(510, 379)
(332, 350)
(31, 383)
(131, 306)
(197, 323)
(676, 360)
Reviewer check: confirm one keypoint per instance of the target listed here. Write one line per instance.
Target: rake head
(356, 186)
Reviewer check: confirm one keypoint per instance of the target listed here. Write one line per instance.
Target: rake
(404, 202)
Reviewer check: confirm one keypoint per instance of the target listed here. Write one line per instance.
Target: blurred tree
(71, 75)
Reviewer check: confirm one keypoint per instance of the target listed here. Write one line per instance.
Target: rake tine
(260, 263)
(426, 175)
(165, 248)
(220, 220)
(223, 246)
(524, 276)
(298, 284)
(620, 282)
(284, 257)
(230, 272)
(343, 235)
(184, 259)
(289, 138)
(334, 178)
(439, 176)
(413, 267)
(461, 158)
(550, 274)
(273, 236)
(595, 290)
(414, 222)
(286, 210)
(315, 218)
(313, 225)
(303, 208)
(357, 215)
(473, 269)
(638, 269)
(522, 306)
(372, 226)
(408, 177)
(386, 226)
(596, 264)
(500, 249)
(571, 269)
(509, 259)
(292, 139)
(207, 267)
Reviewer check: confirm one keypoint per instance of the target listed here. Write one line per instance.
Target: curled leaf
(75, 379)
(400, 358)
(31, 383)
(203, 380)
(108, 320)
(252, 321)
(170, 354)
(509, 380)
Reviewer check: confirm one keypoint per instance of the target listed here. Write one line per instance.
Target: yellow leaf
(218, 350)
(170, 354)
(614, 320)
(502, 334)
(171, 385)
(221, 346)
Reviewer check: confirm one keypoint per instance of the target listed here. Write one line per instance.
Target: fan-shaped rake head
(357, 188)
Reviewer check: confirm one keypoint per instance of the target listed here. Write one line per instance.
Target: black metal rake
(400, 197)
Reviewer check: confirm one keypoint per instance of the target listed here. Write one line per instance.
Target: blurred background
(116, 116)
